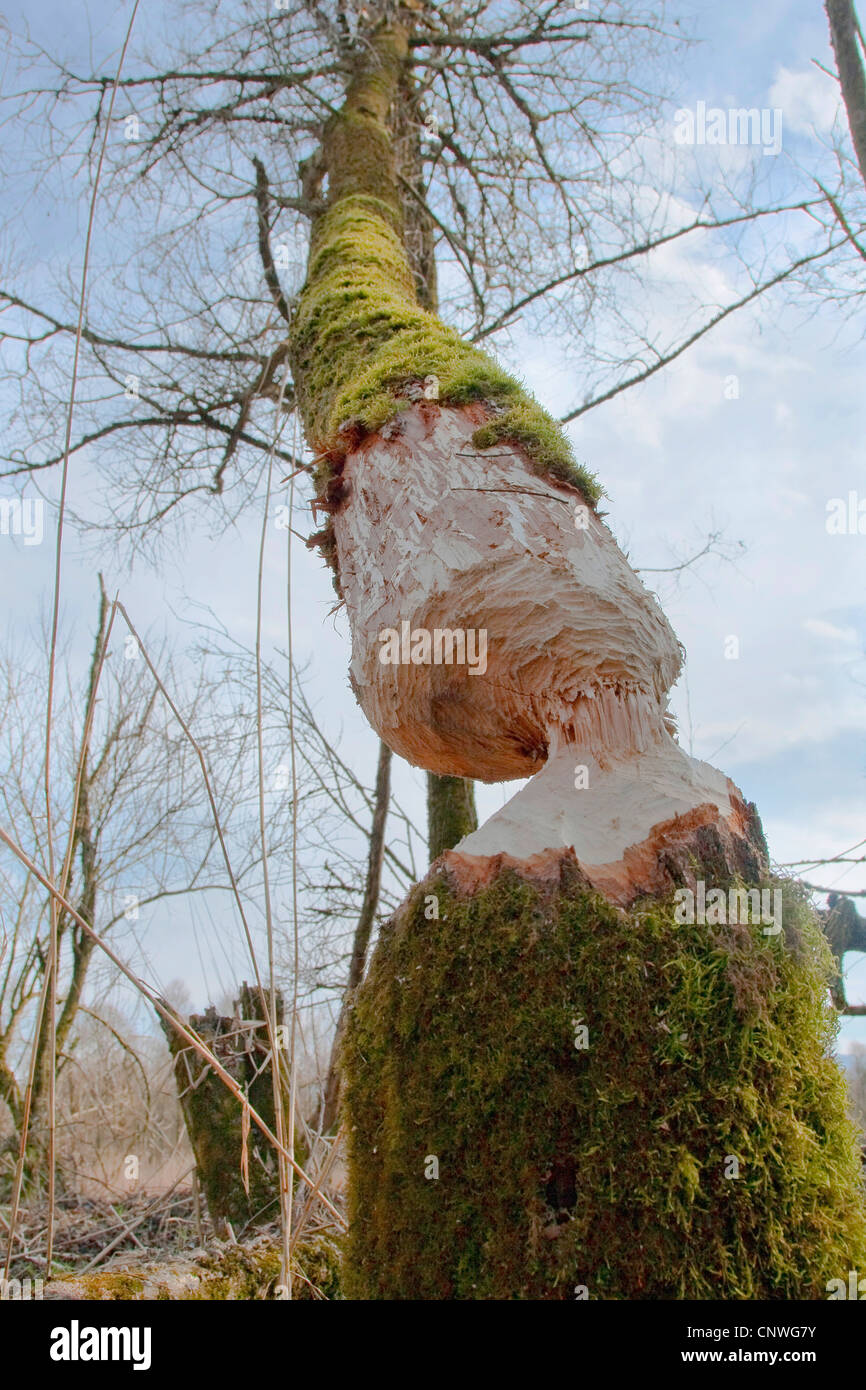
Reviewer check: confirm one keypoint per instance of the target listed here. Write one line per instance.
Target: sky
(753, 433)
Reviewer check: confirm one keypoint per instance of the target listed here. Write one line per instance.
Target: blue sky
(787, 720)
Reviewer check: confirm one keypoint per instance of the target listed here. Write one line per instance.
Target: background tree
(144, 839)
(847, 40)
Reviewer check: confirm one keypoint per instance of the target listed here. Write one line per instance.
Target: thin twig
(294, 770)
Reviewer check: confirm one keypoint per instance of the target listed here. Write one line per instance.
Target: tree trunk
(844, 34)
(845, 930)
(363, 931)
(451, 813)
(84, 849)
(557, 1084)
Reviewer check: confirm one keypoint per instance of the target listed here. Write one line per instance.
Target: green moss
(605, 1166)
(320, 1269)
(359, 339)
(359, 336)
(241, 1272)
(230, 1273)
(524, 422)
(235, 1272)
(111, 1284)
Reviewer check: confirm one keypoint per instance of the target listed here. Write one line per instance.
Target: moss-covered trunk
(238, 1173)
(558, 1083)
(553, 1099)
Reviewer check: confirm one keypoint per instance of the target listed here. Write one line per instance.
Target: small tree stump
(214, 1119)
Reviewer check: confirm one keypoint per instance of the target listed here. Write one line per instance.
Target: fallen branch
(228, 1272)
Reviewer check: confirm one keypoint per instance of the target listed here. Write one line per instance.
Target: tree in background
(143, 837)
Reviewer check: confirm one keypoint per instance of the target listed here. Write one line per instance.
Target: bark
(499, 632)
(846, 40)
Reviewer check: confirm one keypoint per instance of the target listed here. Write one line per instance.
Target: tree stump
(241, 1192)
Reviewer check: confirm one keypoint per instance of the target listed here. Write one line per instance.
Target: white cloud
(848, 635)
(809, 100)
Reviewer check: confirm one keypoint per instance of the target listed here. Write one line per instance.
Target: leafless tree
(144, 840)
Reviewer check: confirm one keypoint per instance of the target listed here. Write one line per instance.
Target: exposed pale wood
(567, 665)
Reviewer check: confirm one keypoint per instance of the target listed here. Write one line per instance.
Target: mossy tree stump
(551, 1098)
(845, 930)
(214, 1118)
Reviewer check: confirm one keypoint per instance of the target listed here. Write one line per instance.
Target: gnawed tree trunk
(237, 1169)
(555, 1087)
